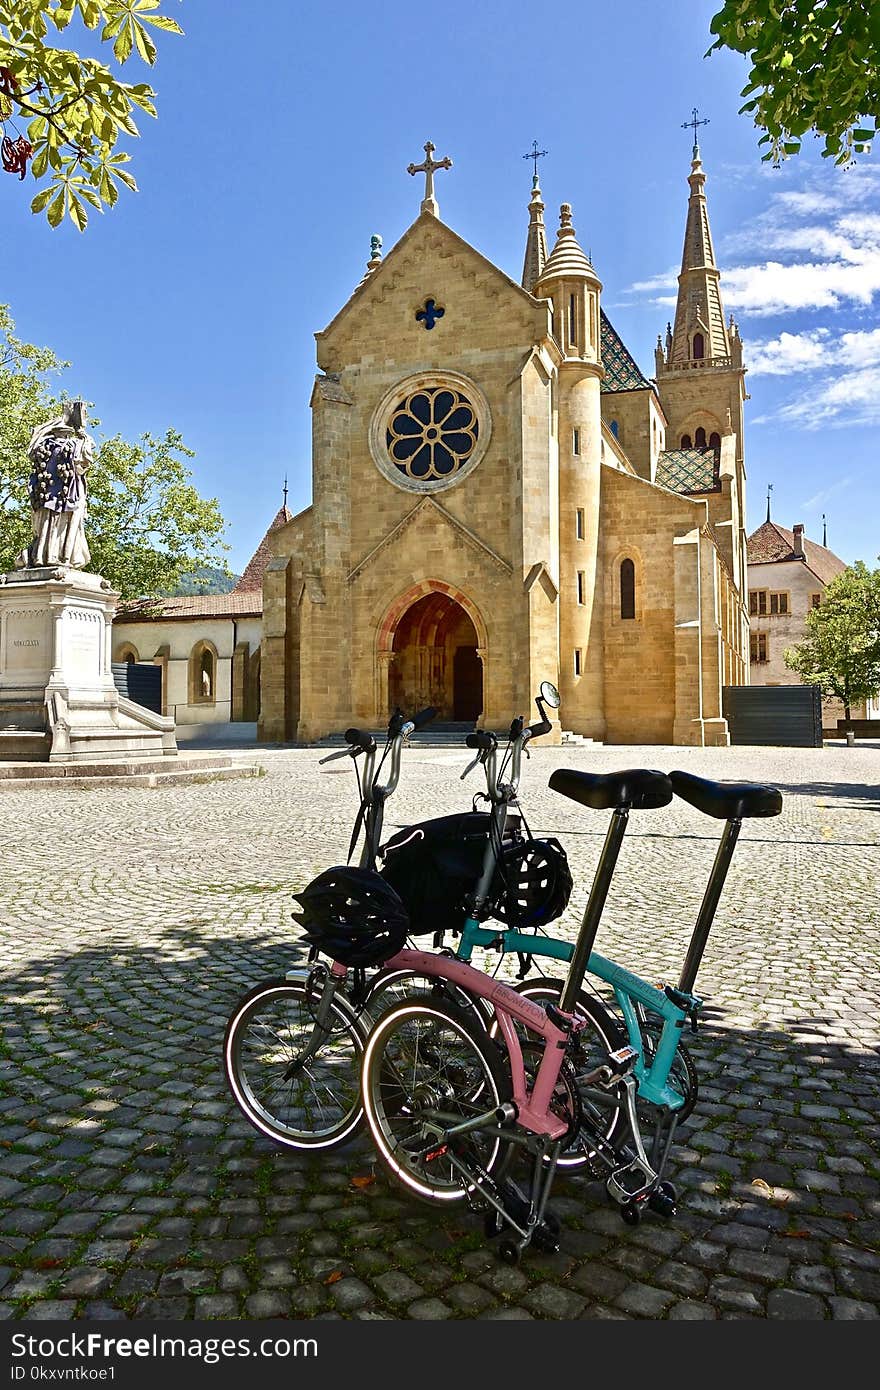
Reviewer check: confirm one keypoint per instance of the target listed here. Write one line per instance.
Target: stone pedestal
(58, 702)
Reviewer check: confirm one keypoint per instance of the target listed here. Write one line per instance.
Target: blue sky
(282, 142)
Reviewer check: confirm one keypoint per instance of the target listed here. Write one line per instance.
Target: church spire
(699, 333)
(536, 241)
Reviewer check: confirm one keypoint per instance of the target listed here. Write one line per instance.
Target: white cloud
(790, 352)
(849, 399)
(820, 498)
(846, 367)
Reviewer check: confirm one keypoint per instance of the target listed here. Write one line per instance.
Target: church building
(501, 496)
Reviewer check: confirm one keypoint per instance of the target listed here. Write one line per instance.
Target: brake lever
(343, 753)
(469, 769)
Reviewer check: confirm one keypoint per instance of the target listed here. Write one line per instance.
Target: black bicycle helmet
(353, 916)
(537, 883)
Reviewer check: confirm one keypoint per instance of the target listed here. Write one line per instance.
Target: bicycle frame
(532, 1106)
(632, 993)
(651, 1077)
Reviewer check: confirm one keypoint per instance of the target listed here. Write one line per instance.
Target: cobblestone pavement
(132, 920)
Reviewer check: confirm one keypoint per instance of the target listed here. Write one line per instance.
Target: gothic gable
(432, 269)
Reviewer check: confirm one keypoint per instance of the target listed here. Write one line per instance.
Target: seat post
(595, 907)
(708, 907)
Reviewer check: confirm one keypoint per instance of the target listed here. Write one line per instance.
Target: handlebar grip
(481, 738)
(359, 738)
(424, 716)
(538, 730)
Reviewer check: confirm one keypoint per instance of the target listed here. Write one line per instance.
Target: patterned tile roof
(771, 544)
(622, 373)
(688, 470)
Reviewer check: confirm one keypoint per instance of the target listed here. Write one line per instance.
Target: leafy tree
(815, 66)
(841, 652)
(73, 107)
(147, 527)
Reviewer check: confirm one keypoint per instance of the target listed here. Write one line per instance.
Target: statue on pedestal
(60, 453)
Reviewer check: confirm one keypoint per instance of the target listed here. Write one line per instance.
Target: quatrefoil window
(431, 434)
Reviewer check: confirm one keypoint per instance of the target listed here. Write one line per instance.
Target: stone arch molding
(432, 381)
(396, 609)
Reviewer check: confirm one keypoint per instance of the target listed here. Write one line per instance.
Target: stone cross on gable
(427, 167)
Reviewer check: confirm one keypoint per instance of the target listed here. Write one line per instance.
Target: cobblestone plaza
(130, 1186)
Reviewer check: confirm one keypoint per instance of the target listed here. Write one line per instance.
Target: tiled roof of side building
(771, 544)
(688, 470)
(234, 605)
(622, 372)
(244, 601)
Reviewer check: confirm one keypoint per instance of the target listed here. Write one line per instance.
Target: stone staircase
(132, 772)
(570, 740)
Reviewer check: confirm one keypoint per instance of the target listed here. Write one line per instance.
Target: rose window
(431, 434)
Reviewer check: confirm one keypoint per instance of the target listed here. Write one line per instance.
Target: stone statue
(60, 453)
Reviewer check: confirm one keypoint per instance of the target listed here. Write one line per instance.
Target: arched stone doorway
(434, 659)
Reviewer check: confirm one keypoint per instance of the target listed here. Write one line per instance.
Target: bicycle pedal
(619, 1064)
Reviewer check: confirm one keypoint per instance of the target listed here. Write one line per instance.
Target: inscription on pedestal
(83, 630)
(25, 645)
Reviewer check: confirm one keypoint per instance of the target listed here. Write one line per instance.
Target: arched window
(627, 589)
(615, 429)
(206, 673)
(699, 346)
(203, 674)
(686, 442)
(127, 653)
(715, 441)
(700, 438)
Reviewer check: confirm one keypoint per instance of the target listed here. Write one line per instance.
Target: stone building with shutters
(788, 575)
(501, 496)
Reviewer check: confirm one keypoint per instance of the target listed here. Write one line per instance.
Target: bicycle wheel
(602, 1120)
(301, 1095)
(427, 1068)
(391, 986)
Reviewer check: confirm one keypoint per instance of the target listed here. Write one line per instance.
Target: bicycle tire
(267, 1030)
(389, 986)
(417, 1031)
(580, 1153)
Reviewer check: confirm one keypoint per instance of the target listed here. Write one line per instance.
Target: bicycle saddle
(726, 800)
(636, 790)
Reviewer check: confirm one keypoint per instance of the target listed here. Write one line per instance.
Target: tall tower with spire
(536, 241)
(701, 379)
(571, 284)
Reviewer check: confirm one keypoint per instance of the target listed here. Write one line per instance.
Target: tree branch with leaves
(73, 108)
(815, 65)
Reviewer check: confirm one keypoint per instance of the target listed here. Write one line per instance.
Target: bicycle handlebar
(423, 717)
(360, 738)
(481, 738)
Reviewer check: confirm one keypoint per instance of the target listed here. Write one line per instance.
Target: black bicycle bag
(435, 867)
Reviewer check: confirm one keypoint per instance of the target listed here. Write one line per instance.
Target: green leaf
(41, 199)
(123, 45)
(170, 26)
(145, 46)
(78, 215)
(56, 210)
(40, 162)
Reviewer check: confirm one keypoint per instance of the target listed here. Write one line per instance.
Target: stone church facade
(500, 496)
